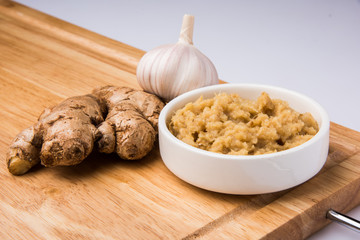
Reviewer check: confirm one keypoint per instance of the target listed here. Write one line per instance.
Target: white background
(310, 46)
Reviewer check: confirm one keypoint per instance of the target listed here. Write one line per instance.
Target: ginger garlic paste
(229, 124)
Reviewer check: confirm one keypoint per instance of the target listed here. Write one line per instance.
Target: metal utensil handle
(342, 219)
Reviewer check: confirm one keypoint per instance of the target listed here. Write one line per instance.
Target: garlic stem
(187, 29)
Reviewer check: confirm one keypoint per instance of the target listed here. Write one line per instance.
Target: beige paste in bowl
(229, 124)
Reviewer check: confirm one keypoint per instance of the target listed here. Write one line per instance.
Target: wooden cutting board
(44, 60)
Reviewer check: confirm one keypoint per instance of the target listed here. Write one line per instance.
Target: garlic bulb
(173, 69)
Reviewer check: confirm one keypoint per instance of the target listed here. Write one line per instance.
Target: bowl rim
(324, 126)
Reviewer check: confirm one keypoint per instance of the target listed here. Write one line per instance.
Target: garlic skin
(170, 70)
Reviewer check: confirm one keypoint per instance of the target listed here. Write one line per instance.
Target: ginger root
(67, 133)
(132, 120)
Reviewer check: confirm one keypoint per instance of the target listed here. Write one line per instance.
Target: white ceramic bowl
(245, 174)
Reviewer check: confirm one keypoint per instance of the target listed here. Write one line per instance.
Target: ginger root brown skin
(132, 121)
(66, 134)
(70, 131)
(24, 152)
(63, 136)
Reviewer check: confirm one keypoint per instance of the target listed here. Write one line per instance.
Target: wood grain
(44, 60)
